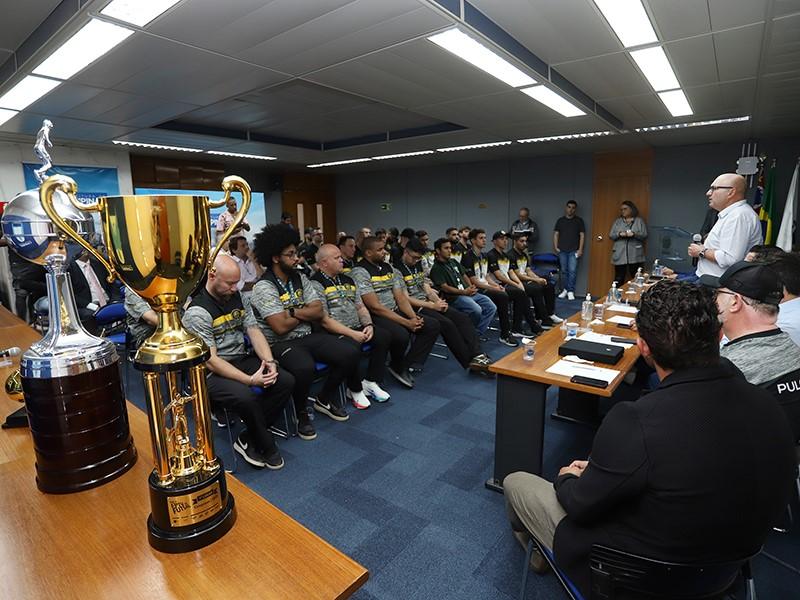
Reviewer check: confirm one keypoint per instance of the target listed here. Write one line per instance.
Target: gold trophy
(159, 247)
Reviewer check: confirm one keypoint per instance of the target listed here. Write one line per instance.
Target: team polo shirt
(380, 279)
(519, 261)
(272, 296)
(476, 265)
(414, 278)
(347, 265)
(458, 251)
(498, 261)
(341, 298)
(449, 273)
(220, 325)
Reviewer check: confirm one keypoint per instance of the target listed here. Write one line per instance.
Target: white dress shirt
(247, 270)
(99, 295)
(789, 318)
(736, 231)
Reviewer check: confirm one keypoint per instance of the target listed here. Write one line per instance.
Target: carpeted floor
(399, 487)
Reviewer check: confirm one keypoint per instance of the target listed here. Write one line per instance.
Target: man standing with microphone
(736, 231)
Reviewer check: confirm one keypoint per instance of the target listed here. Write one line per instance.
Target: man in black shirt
(568, 237)
(698, 470)
(457, 249)
(541, 292)
(347, 246)
(397, 249)
(527, 226)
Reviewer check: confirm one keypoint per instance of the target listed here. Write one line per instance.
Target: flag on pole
(784, 240)
(767, 213)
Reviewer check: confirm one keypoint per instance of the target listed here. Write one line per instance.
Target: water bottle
(586, 308)
(658, 270)
(639, 280)
(613, 294)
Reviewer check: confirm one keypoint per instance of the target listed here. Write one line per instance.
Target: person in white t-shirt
(239, 250)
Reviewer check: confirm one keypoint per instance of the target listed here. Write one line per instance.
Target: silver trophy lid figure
(40, 149)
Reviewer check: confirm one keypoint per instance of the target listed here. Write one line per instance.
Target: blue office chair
(547, 265)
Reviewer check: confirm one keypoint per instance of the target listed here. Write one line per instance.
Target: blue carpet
(399, 487)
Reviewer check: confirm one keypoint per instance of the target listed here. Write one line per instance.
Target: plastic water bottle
(658, 270)
(613, 294)
(639, 279)
(586, 308)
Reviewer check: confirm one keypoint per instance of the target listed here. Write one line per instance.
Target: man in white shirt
(225, 219)
(238, 248)
(736, 231)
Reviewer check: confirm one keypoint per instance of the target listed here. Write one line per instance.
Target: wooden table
(93, 544)
(521, 395)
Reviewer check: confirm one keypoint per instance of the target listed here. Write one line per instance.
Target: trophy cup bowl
(160, 247)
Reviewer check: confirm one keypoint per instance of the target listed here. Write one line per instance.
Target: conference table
(522, 388)
(93, 544)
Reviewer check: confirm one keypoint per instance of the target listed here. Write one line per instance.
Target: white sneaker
(371, 388)
(563, 294)
(570, 296)
(358, 399)
(556, 319)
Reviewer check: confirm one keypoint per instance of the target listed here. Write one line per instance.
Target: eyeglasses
(725, 292)
(290, 254)
(714, 188)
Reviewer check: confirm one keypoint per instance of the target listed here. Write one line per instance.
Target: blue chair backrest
(110, 313)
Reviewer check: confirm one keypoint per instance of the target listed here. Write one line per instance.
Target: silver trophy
(40, 149)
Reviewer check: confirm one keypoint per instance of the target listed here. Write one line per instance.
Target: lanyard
(286, 290)
(337, 284)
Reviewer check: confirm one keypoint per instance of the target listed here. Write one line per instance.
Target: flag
(784, 240)
(759, 195)
(767, 213)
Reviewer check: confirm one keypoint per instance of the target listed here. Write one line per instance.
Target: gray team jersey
(340, 298)
(764, 356)
(380, 279)
(220, 326)
(270, 299)
(135, 307)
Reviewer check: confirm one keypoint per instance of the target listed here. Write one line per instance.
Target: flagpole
(784, 240)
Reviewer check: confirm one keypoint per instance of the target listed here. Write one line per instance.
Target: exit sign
(387, 206)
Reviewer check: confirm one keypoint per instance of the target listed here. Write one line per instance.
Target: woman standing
(628, 233)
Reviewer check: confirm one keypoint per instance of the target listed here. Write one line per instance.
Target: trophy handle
(229, 184)
(70, 188)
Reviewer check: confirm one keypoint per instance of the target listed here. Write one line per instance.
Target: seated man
(381, 289)
(787, 265)
(456, 251)
(141, 319)
(239, 250)
(748, 294)
(347, 317)
(427, 255)
(285, 305)
(449, 276)
(696, 471)
(220, 317)
(91, 288)
(456, 328)
(347, 247)
(539, 290)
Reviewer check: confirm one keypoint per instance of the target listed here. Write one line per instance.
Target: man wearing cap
(397, 249)
(748, 295)
(736, 231)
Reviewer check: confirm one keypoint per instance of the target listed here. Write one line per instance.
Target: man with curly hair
(285, 305)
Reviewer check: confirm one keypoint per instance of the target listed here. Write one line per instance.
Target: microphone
(696, 239)
(13, 351)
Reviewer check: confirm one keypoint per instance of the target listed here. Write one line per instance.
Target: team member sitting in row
(539, 290)
(141, 319)
(383, 293)
(456, 251)
(220, 317)
(285, 305)
(347, 247)
(450, 278)
(347, 317)
(456, 328)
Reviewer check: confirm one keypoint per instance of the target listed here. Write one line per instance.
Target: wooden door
(618, 176)
(311, 200)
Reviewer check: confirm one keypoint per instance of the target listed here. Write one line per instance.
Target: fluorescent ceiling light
(338, 162)
(472, 146)
(6, 115)
(240, 155)
(629, 21)
(137, 12)
(676, 103)
(568, 136)
(482, 57)
(156, 146)
(694, 124)
(552, 100)
(403, 155)
(26, 92)
(91, 42)
(654, 64)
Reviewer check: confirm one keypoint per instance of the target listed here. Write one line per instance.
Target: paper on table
(568, 369)
(623, 308)
(621, 319)
(601, 338)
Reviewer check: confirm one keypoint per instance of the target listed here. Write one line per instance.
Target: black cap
(499, 234)
(407, 233)
(750, 279)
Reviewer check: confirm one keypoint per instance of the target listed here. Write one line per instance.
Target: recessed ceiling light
(552, 100)
(629, 21)
(137, 12)
(477, 54)
(403, 155)
(6, 115)
(654, 64)
(473, 146)
(240, 155)
(694, 124)
(676, 103)
(155, 146)
(91, 42)
(26, 92)
(338, 162)
(568, 136)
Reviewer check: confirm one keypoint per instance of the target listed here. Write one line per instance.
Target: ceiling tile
(738, 52)
(725, 13)
(607, 76)
(676, 19)
(693, 60)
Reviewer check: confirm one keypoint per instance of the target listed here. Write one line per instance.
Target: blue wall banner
(93, 182)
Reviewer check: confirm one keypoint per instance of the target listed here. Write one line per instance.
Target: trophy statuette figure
(160, 247)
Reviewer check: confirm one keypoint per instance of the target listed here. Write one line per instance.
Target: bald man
(249, 384)
(736, 231)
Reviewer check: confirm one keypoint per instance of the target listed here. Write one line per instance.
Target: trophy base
(189, 516)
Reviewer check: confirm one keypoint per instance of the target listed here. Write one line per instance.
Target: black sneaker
(305, 429)
(331, 410)
(508, 340)
(517, 334)
(403, 377)
(218, 416)
(273, 459)
(245, 447)
(478, 364)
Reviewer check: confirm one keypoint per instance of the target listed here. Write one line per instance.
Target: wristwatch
(702, 253)
(291, 311)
